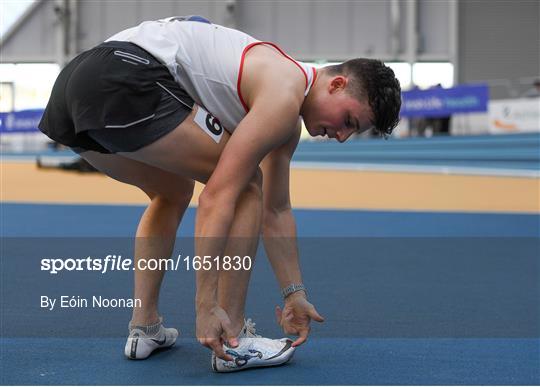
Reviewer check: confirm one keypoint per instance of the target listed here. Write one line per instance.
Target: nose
(343, 134)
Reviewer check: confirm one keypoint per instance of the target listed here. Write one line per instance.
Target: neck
(312, 91)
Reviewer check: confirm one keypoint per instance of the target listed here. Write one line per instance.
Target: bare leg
(155, 239)
(188, 151)
(170, 195)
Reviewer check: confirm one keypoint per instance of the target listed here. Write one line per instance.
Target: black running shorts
(113, 98)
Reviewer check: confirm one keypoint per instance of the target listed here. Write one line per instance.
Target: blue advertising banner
(20, 122)
(439, 102)
(436, 102)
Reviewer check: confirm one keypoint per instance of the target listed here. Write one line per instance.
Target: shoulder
(268, 74)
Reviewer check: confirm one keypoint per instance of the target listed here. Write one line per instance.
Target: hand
(296, 316)
(213, 329)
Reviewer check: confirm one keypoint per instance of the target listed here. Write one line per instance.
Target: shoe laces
(249, 328)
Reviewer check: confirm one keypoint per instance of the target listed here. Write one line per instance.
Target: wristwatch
(293, 288)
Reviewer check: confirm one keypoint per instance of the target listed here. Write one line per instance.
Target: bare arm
(279, 234)
(264, 128)
(279, 228)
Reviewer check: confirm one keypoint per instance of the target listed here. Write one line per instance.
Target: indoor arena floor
(422, 277)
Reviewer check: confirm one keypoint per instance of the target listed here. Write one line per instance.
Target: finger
(278, 315)
(229, 334)
(299, 342)
(205, 342)
(302, 338)
(232, 342)
(315, 315)
(216, 346)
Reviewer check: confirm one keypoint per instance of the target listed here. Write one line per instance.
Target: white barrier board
(514, 115)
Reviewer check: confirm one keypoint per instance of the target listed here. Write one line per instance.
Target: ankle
(145, 319)
(149, 330)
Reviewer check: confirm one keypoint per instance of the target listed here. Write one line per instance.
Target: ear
(337, 83)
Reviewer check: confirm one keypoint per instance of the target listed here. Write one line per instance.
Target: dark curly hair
(371, 78)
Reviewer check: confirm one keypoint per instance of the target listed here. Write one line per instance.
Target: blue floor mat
(408, 297)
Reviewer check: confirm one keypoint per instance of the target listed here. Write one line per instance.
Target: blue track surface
(516, 151)
(35, 220)
(520, 151)
(409, 298)
(323, 362)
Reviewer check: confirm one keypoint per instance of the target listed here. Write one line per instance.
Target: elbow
(212, 206)
(206, 201)
(214, 216)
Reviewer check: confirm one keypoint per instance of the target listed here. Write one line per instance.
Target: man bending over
(179, 100)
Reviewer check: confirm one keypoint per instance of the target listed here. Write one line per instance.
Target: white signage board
(514, 115)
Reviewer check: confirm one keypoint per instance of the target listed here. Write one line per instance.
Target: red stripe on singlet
(246, 49)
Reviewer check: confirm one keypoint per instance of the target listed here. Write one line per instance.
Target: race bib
(209, 124)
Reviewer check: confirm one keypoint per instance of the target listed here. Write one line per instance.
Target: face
(335, 113)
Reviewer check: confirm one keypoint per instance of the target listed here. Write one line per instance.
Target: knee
(173, 201)
(169, 209)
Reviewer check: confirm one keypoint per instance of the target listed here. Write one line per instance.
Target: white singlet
(206, 60)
